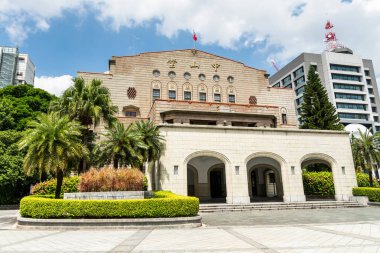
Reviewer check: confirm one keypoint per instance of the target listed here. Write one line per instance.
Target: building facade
(229, 135)
(349, 80)
(15, 68)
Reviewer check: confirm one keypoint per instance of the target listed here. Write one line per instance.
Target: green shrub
(164, 204)
(318, 183)
(70, 184)
(372, 193)
(110, 179)
(363, 180)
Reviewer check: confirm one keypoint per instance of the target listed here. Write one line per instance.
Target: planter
(105, 195)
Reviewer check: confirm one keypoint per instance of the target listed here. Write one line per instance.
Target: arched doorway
(206, 179)
(318, 179)
(264, 179)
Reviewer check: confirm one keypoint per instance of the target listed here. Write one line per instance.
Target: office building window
(370, 90)
(344, 68)
(299, 101)
(277, 85)
(368, 81)
(351, 106)
(346, 77)
(374, 109)
(300, 81)
(353, 116)
(366, 72)
(343, 86)
(300, 90)
(202, 96)
(349, 96)
(376, 118)
(286, 80)
(298, 72)
(172, 94)
(372, 100)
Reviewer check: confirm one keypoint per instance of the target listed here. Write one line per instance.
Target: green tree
(53, 145)
(121, 147)
(356, 154)
(317, 112)
(14, 184)
(20, 104)
(150, 135)
(89, 104)
(368, 147)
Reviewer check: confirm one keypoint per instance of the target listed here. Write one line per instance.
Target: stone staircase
(212, 208)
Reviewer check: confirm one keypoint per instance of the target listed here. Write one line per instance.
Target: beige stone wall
(136, 71)
(238, 146)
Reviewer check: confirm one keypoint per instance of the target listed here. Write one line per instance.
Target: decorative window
(172, 87)
(131, 92)
(156, 90)
(156, 94)
(252, 100)
(156, 73)
(202, 96)
(217, 93)
(231, 98)
(172, 94)
(171, 74)
(216, 78)
(131, 111)
(187, 75)
(231, 94)
(284, 119)
(202, 77)
(230, 79)
(187, 95)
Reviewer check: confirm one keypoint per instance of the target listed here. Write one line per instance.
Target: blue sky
(63, 37)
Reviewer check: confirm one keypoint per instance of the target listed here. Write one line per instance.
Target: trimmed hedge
(318, 183)
(70, 184)
(363, 180)
(163, 204)
(373, 194)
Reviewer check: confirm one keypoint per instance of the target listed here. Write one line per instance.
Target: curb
(176, 222)
(377, 204)
(9, 207)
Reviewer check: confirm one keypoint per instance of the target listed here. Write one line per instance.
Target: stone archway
(325, 165)
(264, 179)
(207, 176)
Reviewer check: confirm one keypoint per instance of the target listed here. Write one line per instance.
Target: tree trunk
(370, 173)
(59, 183)
(115, 163)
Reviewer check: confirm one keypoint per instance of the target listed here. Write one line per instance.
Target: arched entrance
(206, 179)
(318, 178)
(264, 179)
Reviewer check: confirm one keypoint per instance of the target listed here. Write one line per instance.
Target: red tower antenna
(275, 65)
(330, 38)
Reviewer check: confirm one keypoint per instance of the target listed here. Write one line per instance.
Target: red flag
(195, 37)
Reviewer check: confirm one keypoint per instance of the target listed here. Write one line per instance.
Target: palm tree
(152, 139)
(89, 104)
(121, 146)
(53, 145)
(368, 146)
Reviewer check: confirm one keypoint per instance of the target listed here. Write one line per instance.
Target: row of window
(344, 86)
(344, 68)
(349, 96)
(346, 77)
(187, 95)
(351, 106)
(353, 116)
(171, 74)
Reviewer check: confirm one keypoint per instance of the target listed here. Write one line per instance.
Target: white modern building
(15, 68)
(349, 80)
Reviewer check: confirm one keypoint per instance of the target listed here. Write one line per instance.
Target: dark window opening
(172, 94)
(202, 96)
(187, 95)
(217, 97)
(203, 122)
(243, 124)
(284, 120)
(231, 98)
(130, 114)
(156, 94)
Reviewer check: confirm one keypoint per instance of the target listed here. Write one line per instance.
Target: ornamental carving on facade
(194, 65)
(131, 93)
(252, 100)
(215, 66)
(156, 84)
(172, 62)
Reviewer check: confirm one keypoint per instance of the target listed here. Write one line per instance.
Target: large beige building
(229, 135)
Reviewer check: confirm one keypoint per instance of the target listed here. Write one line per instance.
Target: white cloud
(269, 26)
(55, 85)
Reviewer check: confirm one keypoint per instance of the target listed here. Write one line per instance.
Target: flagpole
(194, 39)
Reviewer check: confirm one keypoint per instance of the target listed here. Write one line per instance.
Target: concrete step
(210, 208)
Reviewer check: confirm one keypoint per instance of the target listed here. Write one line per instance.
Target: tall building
(15, 68)
(228, 134)
(349, 80)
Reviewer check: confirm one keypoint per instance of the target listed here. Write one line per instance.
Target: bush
(70, 184)
(164, 204)
(373, 194)
(363, 180)
(109, 179)
(318, 183)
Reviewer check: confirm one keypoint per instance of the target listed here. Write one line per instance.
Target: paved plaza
(325, 230)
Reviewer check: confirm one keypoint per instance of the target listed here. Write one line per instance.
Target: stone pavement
(336, 230)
